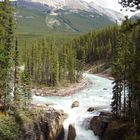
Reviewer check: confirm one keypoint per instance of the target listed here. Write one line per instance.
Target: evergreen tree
(136, 79)
(6, 45)
(26, 89)
(16, 74)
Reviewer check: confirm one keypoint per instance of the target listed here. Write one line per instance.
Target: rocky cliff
(108, 128)
(48, 126)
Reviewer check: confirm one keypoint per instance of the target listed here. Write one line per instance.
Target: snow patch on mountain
(59, 4)
(113, 15)
(137, 15)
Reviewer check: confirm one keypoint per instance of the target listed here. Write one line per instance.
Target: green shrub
(9, 129)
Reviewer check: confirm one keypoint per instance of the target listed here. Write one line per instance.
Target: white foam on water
(97, 95)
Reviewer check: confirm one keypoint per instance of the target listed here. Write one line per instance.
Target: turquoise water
(98, 95)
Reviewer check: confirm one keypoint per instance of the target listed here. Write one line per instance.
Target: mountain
(135, 16)
(31, 5)
(80, 5)
(113, 15)
(67, 16)
(63, 4)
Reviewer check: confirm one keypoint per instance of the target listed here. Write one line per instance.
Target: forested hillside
(50, 63)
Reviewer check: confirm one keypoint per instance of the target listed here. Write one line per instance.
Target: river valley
(97, 95)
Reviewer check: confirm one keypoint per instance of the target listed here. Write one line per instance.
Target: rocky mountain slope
(65, 16)
(78, 5)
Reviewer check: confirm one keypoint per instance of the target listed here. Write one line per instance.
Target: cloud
(111, 4)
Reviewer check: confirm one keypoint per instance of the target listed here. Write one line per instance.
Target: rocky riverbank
(78, 101)
(61, 91)
(108, 128)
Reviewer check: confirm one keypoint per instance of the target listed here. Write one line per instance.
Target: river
(98, 95)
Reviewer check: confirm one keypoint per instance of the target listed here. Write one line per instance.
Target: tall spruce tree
(6, 45)
(16, 76)
(136, 79)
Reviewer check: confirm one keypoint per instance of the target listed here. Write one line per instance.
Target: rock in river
(71, 132)
(99, 123)
(90, 109)
(75, 104)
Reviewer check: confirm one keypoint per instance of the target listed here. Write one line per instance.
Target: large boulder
(99, 123)
(108, 128)
(75, 104)
(71, 132)
(98, 126)
(54, 125)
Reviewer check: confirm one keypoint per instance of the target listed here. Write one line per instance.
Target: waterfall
(81, 118)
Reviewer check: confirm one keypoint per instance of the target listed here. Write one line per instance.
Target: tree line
(96, 45)
(51, 65)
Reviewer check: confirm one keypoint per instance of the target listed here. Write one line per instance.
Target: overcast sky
(112, 4)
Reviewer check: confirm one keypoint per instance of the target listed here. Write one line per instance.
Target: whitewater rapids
(98, 95)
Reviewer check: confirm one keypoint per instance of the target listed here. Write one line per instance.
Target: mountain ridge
(79, 5)
(35, 17)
